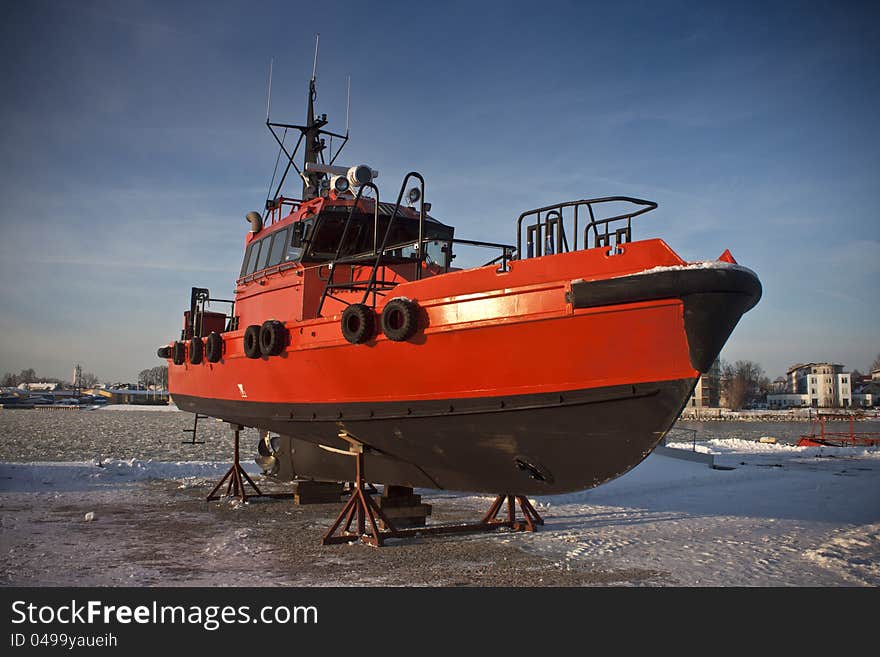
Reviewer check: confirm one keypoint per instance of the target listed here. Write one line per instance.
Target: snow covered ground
(104, 475)
(784, 515)
(138, 407)
(781, 516)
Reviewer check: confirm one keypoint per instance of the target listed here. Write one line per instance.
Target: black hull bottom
(531, 444)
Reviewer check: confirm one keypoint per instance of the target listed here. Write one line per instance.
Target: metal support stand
(236, 476)
(531, 518)
(361, 506)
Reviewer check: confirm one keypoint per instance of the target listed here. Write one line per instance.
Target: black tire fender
(399, 319)
(273, 337)
(358, 323)
(214, 347)
(196, 351)
(178, 353)
(252, 341)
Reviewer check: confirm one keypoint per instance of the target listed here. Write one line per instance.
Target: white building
(865, 399)
(708, 389)
(820, 385)
(38, 386)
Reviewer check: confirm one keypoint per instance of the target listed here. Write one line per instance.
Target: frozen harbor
(780, 516)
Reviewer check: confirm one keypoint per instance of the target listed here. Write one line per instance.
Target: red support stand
(236, 477)
(531, 517)
(361, 506)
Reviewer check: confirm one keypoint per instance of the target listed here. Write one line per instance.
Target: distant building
(707, 392)
(820, 385)
(865, 399)
(37, 386)
(866, 392)
(127, 396)
(779, 385)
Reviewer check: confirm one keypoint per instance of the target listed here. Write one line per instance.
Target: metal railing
(275, 209)
(383, 253)
(547, 234)
(337, 258)
(681, 430)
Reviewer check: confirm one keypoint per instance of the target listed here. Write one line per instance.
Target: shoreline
(805, 415)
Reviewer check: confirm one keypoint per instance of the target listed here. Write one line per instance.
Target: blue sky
(133, 145)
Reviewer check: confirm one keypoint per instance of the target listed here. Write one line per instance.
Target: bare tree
(743, 382)
(876, 364)
(154, 376)
(88, 380)
(29, 375)
(161, 376)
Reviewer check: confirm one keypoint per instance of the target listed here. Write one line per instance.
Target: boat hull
(528, 444)
(516, 384)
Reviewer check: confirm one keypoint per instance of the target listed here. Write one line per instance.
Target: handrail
(381, 251)
(507, 250)
(275, 207)
(554, 215)
(328, 286)
(378, 250)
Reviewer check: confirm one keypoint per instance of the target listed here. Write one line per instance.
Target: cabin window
(277, 252)
(254, 250)
(300, 233)
(437, 253)
(264, 252)
(329, 232)
(361, 238)
(247, 258)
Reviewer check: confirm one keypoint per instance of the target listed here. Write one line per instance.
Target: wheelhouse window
(300, 234)
(265, 252)
(363, 237)
(251, 256)
(247, 258)
(276, 255)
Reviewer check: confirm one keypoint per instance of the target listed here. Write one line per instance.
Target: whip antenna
(315, 65)
(269, 95)
(347, 104)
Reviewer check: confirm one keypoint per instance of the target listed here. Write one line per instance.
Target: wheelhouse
(322, 237)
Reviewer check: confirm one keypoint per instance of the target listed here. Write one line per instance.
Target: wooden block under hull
(407, 516)
(417, 511)
(316, 492)
(397, 502)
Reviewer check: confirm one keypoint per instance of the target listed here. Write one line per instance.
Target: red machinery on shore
(554, 367)
(820, 437)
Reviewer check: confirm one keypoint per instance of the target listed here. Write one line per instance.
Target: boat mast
(314, 143)
(310, 137)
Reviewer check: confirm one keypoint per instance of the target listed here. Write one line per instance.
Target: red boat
(557, 365)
